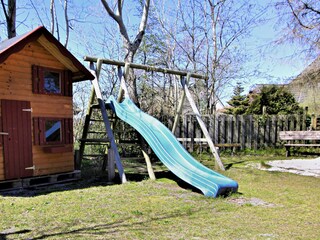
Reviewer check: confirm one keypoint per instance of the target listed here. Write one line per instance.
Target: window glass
(52, 82)
(53, 130)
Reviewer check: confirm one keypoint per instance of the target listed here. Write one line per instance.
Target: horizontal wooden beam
(299, 135)
(147, 67)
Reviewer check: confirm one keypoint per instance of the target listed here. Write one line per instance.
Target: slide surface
(171, 153)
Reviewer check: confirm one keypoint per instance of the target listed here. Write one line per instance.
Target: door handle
(31, 168)
(4, 133)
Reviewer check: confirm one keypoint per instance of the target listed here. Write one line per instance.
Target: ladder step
(96, 143)
(128, 141)
(95, 106)
(132, 158)
(94, 155)
(98, 132)
(96, 120)
(91, 140)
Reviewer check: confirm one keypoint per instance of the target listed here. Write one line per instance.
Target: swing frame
(184, 76)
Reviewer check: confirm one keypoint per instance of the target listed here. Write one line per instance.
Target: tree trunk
(10, 16)
(130, 46)
(131, 79)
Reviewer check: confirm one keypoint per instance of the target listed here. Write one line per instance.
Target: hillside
(306, 86)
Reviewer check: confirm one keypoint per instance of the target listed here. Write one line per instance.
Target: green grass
(269, 205)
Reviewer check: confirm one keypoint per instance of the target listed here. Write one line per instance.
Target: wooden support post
(111, 165)
(191, 132)
(179, 111)
(201, 123)
(124, 91)
(86, 123)
(105, 162)
(106, 121)
(152, 176)
(77, 160)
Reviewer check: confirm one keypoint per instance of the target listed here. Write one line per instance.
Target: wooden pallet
(10, 185)
(40, 181)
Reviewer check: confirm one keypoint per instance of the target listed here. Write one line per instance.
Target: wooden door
(17, 144)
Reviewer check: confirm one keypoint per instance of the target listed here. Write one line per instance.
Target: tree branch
(144, 17)
(307, 6)
(118, 19)
(120, 6)
(52, 16)
(67, 22)
(110, 12)
(143, 25)
(4, 10)
(34, 7)
(296, 16)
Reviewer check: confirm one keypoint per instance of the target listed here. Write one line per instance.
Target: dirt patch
(251, 202)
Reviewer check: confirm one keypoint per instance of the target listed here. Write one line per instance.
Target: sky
(282, 61)
(277, 63)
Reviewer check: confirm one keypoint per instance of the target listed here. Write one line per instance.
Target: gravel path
(306, 167)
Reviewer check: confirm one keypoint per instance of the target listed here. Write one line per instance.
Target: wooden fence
(250, 131)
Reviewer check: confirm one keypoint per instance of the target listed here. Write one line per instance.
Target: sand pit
(306, 167)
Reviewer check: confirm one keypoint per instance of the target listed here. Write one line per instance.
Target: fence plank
(216, 128)
(243, 132)
(249, 131)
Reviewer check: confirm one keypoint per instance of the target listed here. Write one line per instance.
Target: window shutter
(41, 79)
(1, 137)
(42, 131)
(35, 79)
(36, 131)
(39, 130)
(68, 130)
(67, 83)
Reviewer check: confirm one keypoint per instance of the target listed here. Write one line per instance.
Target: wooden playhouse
(36, 109)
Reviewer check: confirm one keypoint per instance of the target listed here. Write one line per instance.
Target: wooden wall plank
(1, 163)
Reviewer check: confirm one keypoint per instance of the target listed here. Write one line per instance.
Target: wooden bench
(305, 138)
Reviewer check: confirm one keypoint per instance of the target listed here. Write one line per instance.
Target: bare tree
(209, 39)
(52, 14)
(130, 46)
(302, 24)
(230, 22)
(10, 15)
(53, 19)
(67, 23)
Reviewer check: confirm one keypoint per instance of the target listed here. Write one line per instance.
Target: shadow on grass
(136, 173)
(3, 235)
(94, 182)
(115, 227)
(230, 165)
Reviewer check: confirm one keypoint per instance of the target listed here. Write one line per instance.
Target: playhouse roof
(52, 45)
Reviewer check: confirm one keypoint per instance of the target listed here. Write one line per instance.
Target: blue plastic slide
(171, 153)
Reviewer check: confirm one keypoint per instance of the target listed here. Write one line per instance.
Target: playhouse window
(51, 82)
(53, 131)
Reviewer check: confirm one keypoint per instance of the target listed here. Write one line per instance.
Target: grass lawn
(269, 205)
